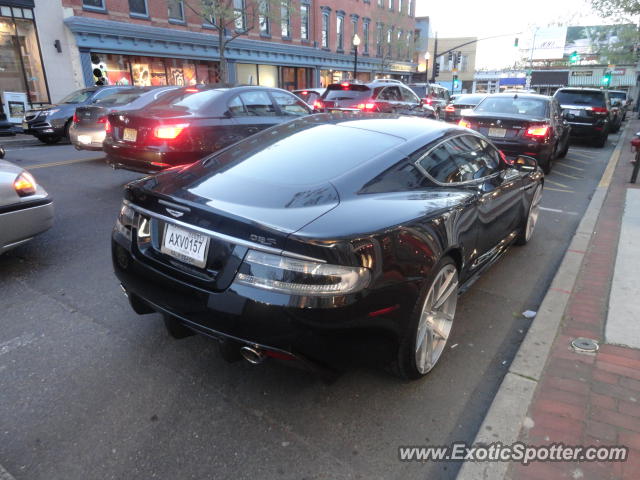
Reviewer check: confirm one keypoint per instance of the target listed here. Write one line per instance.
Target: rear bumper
(532, 149)
(25, 222)
(84, 138)
(588, 130)
(146, 160)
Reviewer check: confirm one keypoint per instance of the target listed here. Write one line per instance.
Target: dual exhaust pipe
(252, 355)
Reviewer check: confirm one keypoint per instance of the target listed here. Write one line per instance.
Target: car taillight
(449, 108)
(464, 123)
(504, 158)
(537, 131)
(25, 184)
(75, 117)
(426, 101)
(600, 110)
(107, 125)
(344, 84)
(318, 105)
(367, 107)
(169, 132)
(191, 90)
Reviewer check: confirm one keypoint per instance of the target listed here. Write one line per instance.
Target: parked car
(88, 130)
(309, 95)
(433, 95)
(522, 124)
(188, 124)
(621, 97)
(379, 96)
(358, 247)
(51, 124)
(461, 102)
(588, 111)
(6, 127)
(25, 207)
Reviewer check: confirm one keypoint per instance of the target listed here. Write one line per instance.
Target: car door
(289, 106)
(259, 112)
(390, 99)
(559, 124)
(470, 162)
(410, 104)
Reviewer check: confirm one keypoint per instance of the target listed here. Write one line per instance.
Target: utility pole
(435, 59)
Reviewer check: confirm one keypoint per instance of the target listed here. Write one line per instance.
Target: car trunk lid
(502, 125)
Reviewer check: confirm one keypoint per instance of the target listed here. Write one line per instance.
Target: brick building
(155, 42)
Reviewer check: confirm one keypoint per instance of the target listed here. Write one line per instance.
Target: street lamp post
(356, 43)
(427, 56)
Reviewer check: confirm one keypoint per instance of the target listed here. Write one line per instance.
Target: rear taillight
(318, 105)
(24, 184)
(169, 132)
(537, 131)
(449, 108)
(464, 123)
(367, 107)
(600, 110)
(107, 125)
(75, 117)
(426, 101)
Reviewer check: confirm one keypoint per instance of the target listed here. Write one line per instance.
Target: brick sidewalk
(587, 399)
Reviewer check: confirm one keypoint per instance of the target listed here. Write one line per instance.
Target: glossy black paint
(370, 208)
(577, 106)
(215, 118)
(516, 142)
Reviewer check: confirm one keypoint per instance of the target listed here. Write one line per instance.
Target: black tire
(175, 328)
(67, 126)
(601, 141)
(545, 163)
(523, 238)
(49, 140)
(405, 364)
(565, 149)
(616, 128)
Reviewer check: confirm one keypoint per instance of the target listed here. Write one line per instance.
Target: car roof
(581, 89)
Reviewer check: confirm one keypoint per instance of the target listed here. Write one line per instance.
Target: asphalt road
(90, 390)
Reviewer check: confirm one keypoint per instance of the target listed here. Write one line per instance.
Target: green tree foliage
(616, 8)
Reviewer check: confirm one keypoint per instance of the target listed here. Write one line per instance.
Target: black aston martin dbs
(326, 237)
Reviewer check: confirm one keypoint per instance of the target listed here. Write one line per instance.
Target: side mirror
(525, 164)
(227, 114)
(1, 152)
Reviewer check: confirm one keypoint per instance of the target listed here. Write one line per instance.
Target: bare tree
(233, 18)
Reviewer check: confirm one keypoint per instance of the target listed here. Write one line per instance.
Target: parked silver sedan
(25, 207)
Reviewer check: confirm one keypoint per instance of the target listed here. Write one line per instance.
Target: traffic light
(455, 82)
(436, 69)
(450, 56)
(574, 57)
(515, 42)
(606, 79)
(458, 57)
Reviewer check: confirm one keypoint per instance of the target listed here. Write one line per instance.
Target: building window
(93, 4)
(263, 18)
(304, 22)
(354, 29)
(340, 32)
(400, 6)
(390, 4)
(410, 46)
(285, 18)
(400, 37)
(410, 7)
(176, 10)
(365, 36)
(381, 3)
(389, 40)
(240, 22)
(138, 7)
(379, 33)
(325, 30)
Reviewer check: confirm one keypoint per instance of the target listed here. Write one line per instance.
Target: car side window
(461, 159)
(289, 104)
(402, 177)
(409, 96)
(391, 93)
(258, 104)
(236, 107)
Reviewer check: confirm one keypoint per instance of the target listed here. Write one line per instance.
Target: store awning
(513, 81)
(555, 78)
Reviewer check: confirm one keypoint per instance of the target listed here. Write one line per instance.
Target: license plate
(129, 134)
(25, 126)
(84, 139)
(185, 245)
(497, 132)
(575, 113)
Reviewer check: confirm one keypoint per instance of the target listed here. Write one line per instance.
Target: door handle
(252, 130)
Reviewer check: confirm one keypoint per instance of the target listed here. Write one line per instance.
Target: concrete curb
(508, 410)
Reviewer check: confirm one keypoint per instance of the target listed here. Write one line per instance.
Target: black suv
(51, 124)
(386, 96)
(589, 112)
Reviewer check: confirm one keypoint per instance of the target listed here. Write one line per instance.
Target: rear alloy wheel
(532, 218)
(431, 324)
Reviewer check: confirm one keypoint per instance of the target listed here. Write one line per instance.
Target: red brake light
(464, 123)
(191, 90)
(318, 105)
(537, 131)
(600, 110)
(75, 117)
(169, 132)
(304, 92)
(367, 107)
(449, 108)
(24, 184)
(344, 84)
(107, 125)
(427, 101)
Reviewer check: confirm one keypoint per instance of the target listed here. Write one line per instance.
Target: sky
(513, 19)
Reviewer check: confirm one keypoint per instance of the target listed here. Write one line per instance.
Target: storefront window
(294, 78)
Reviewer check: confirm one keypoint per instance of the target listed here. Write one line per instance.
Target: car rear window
(350, 92)
(468, 99)
(120, 98)
(515, 105)
(620, 95)
(187, 99)
(580, 97)
(419, 90)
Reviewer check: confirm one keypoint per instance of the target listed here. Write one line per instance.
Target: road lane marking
(584, 162)
(557, 184)
(567, 175)
(559, 190)
(557, 210)
(64, 162)
(608, 172)
(569, 166)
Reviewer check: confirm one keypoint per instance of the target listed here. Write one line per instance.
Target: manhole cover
(585, 345)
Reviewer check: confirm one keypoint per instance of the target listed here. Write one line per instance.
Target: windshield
(351, 92)
(468, 99)
(188, 99)
(515, 105)
(120, 98)
(79, 96)
(580, 97)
